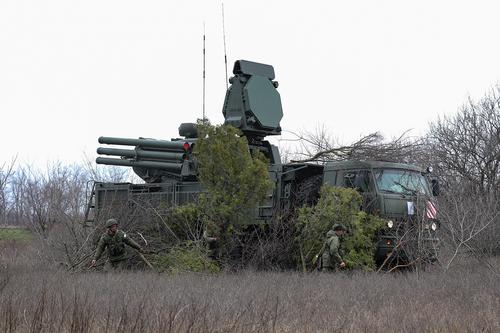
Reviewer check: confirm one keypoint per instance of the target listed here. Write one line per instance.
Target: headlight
(390, 224)
(434, 226)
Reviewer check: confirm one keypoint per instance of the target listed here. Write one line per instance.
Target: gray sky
(71, 71)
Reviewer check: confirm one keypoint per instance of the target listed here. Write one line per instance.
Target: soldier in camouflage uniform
(332, 253)
(114, 240)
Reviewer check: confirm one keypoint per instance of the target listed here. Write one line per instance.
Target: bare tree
(41, 199)
(465, 147)
(320, 147)
(6, 171)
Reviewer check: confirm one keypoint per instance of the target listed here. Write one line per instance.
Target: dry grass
(34, 298)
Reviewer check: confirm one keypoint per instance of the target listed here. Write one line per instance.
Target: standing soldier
(114, 241)
(332, 253)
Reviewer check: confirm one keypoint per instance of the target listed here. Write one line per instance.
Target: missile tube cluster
(148, 153)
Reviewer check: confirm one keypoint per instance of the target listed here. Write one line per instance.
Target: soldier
(114, 241)
(332, 253)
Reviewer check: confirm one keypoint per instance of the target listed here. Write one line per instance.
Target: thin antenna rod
(204, 72)
(224, 36)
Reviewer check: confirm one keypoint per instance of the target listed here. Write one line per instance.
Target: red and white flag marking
(431, 211)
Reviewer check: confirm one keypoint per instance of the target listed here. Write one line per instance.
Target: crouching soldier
(114, 240)
(332, 252)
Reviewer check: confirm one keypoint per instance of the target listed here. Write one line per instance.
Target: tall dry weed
(48, 301)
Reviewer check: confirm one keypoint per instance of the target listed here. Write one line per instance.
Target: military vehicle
(398, 192)
(253, 104)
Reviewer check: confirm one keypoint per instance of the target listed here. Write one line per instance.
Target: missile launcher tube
(147, 143)
(141, 164)
(162, 155)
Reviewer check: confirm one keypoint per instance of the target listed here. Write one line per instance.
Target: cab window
(358, 180)
(401, 182)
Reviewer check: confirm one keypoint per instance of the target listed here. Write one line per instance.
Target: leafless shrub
(271, 248)
(470, 226)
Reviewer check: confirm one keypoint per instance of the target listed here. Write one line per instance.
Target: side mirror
(435, 187)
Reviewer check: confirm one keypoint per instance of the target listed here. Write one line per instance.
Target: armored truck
(253, 104)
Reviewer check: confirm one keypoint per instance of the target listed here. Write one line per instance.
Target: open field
(14, 233)
(37, 298)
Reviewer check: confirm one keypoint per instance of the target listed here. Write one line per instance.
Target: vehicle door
(361, 181)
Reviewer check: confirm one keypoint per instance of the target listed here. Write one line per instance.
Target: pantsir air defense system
(253, 105)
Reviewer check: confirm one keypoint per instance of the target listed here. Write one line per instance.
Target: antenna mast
(224, 37)
(204, 72)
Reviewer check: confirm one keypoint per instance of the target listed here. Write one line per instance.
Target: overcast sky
(71, 71)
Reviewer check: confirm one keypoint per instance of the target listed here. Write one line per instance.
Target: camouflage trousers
(330, 269)
(119, 265)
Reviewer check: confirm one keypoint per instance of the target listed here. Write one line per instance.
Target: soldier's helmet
(339, 226)
(111, 222)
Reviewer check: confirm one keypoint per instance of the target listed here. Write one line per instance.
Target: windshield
(401, 181)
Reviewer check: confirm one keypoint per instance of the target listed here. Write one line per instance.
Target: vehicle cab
(400, 193)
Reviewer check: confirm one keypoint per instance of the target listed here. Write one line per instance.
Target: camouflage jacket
(332, 254)
(115, 246)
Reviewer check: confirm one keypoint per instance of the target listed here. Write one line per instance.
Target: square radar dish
(264, 101)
